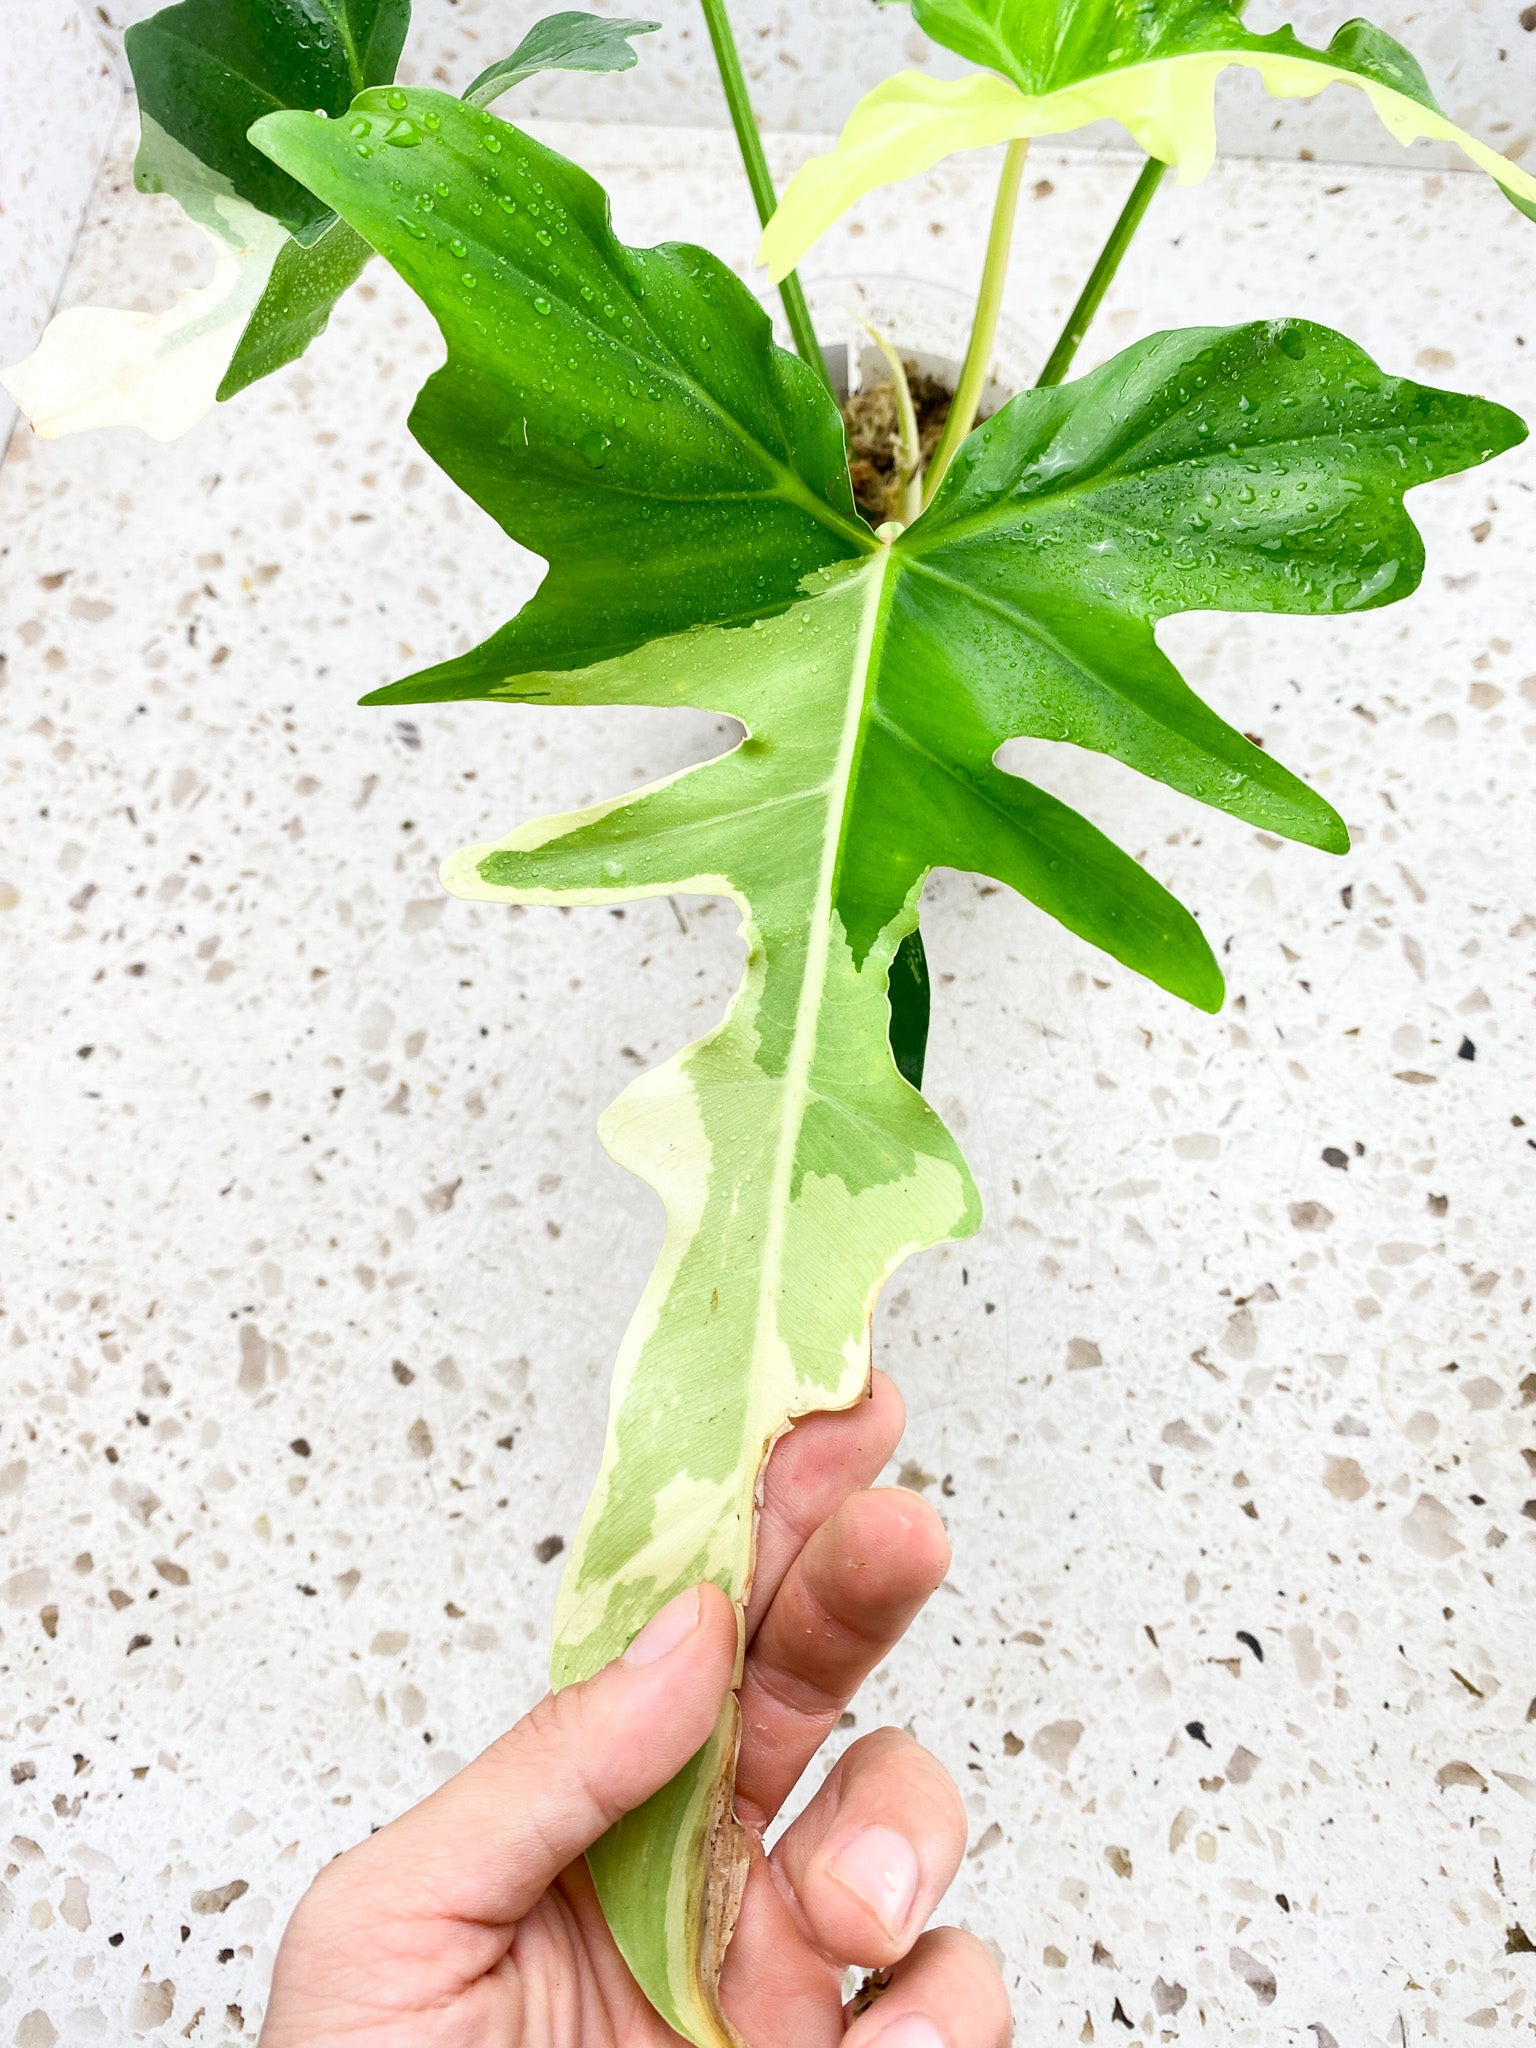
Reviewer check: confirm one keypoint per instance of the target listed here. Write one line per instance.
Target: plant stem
(743, 120)
(989, 304)
(911, 441)
(1102, 275)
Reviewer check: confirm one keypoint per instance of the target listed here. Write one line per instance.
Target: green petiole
(1080, 319)
(744, 121)
(989, 304)
(906, 416)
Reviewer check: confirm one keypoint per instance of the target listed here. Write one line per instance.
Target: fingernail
(910, 2031)
(663, 1632)
(880, 1868)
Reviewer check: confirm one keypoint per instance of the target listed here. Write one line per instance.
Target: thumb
(494, 1838)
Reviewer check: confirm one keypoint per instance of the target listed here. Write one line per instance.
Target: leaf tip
(1208, 990)
(1197, 979)
(1319, 826)
(1512, 430)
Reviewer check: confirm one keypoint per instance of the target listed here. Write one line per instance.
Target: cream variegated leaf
(796, 1165)
(97, 366)
(1057, 65)
(797, 1169)
(783, 1141)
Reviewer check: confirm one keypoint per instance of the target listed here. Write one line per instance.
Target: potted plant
(626, 414)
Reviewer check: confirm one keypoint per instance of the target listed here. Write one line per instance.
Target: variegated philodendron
(687, 486)
(625, 414)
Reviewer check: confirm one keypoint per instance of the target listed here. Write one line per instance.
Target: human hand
(471, 1922)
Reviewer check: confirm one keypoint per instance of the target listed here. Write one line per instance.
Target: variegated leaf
(204, 70)
(685, 482)
(1056, 65)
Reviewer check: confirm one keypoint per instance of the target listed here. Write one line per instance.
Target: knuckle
(555, 1729)
(892, 1749)
(336, 1898)
(877, 1746)
(876, 1562)
(554, 1743)
(925, 1786)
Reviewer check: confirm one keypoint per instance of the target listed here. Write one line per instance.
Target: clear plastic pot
(927, 324)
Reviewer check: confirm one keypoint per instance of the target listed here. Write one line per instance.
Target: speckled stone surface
(312, 1267)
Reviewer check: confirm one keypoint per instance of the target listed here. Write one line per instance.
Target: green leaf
(911, 1007)
(1257, 468)
(561, 42)
(296, 305)
(1056, 65)
(622, 412)
(204, 71)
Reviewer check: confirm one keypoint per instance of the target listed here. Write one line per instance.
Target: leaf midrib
(799, 1070)
(798, 491)
(644, 495)
(1251, 55)
(341, 22)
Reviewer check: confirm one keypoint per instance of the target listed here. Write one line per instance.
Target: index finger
(812, 1471)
